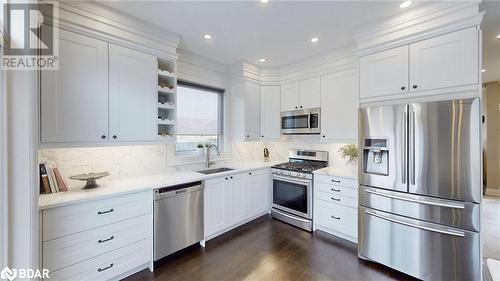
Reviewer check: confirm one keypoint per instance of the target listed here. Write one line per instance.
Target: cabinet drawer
(71, 249)
(59, 222)
(335, 189)
(336, 199)
(109, 265)
(352, 183)
(337, 218)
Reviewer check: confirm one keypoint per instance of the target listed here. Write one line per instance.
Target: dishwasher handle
(177, 190)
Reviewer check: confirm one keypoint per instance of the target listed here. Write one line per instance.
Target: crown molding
(99, 21)
(421, 22)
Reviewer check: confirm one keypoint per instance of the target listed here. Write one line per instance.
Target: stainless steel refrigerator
(420, 188)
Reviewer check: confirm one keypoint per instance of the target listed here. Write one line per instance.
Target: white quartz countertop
(137, 184)
(336, 172)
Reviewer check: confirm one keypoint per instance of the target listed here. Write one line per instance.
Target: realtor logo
(30, 36)
(8, 274)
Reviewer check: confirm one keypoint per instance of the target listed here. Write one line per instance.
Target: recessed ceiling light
(314, 39)
(264, 1)
(405, 4)
(262, 60)
(483, 70)
(498, 36)
(207, 36)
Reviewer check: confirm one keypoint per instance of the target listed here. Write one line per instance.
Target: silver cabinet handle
(405, 142)
(433, 203)
(105, 240)
(412, 147)
(101, 269)
(442, 231)
(105, 212)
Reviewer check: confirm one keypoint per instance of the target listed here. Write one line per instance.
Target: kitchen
(162, 148)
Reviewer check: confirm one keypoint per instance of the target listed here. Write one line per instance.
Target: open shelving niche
(167, 100)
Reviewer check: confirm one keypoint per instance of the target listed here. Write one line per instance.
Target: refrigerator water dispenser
(376, 157)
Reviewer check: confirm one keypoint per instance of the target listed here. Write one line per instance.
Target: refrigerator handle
(412, 146)
(404, 147)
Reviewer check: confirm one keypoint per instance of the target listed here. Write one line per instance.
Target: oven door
(292, 195)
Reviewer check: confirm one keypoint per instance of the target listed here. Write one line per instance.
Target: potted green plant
(200, 149)
(349, 153)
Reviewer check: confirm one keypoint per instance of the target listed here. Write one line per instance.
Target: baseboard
(131, 272)
(493, 192)
(336, 233)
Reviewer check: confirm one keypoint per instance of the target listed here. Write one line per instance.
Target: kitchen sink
(215, 171)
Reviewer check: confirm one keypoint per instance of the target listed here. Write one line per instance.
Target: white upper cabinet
(310, 93)
(445, 61)
(74, 99)
(132, 95)
(270, 120)
(290, 96)
(422, 68)
(384, 73)
(301, 95)
(339, 106)
(245, 111)
(252, 111)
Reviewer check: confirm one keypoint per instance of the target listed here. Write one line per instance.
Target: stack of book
(51, 180)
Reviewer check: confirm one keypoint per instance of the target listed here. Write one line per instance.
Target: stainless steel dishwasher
(178, 218)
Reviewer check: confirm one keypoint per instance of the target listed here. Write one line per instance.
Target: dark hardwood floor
(266, 249)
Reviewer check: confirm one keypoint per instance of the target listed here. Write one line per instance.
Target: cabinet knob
(231, 177)
(324, 136)
(403, 88)
(250, 173)
(296, 107)
(114, 136)
(103, 136)
(248, 136)
(300, 106)
(414, 86)
(262, 136)
(226, 178)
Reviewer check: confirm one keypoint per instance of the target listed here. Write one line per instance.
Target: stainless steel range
(293, 186)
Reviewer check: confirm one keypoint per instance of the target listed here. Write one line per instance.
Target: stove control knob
(303, 175)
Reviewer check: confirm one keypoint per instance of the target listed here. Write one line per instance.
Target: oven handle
(294, 180)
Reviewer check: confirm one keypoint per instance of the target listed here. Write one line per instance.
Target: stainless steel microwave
(306, 121)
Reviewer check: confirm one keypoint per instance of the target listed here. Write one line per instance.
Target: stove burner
(299, 167)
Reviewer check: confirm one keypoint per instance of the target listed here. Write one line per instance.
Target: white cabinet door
(270, 120)
(290, 96)
(132, 95)
(215, 199)
(74, 99)
(445, 61)
(259, 190)
(252, 111)
(236, 198)
(339, 106)
(384, 73)
(310, 93)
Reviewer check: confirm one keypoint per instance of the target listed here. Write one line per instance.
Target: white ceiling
(491, 45)
(278, 31)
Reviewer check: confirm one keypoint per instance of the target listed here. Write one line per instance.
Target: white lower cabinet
(232, 200)
(98, 240)
(336, 206)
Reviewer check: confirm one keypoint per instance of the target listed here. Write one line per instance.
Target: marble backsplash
(132, 161)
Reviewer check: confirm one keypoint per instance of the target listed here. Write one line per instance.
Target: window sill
(179, 160)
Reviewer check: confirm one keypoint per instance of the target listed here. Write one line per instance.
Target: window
(199, 117)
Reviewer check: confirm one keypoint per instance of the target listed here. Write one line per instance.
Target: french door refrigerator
(420, 188)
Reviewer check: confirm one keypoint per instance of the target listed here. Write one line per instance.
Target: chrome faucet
(207, 155)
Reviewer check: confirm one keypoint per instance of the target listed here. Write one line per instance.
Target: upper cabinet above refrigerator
(438, 65)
